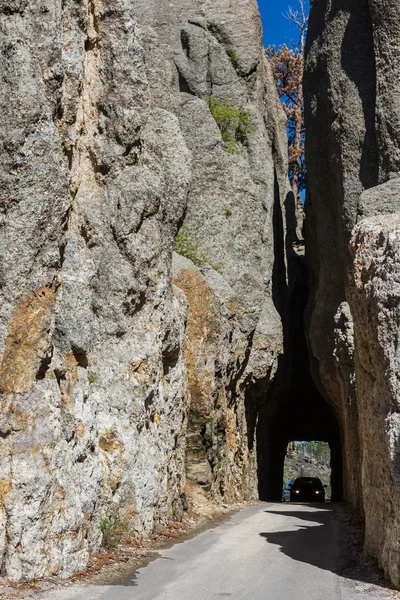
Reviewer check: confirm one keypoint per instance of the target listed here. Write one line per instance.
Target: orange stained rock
(27, 341)
(80, 429)
(231, 430)
(108, 441)
(156, 418)
(71, 365)
(202, 335)
(5, 488)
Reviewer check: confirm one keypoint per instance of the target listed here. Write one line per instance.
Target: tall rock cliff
(196, 51)
(114, 371)
(353, 151)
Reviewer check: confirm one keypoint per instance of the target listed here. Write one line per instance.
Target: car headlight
(297, 491)
(317, 492)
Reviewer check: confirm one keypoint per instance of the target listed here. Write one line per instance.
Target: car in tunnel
(307, 489)
(286, 491)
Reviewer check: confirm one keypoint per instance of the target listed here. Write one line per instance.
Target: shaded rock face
(218, 455)
(353, 145)
(194, 51)
(106, 147)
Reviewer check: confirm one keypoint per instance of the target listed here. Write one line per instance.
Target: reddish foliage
(288, 68)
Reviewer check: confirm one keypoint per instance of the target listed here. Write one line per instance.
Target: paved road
(264, 552)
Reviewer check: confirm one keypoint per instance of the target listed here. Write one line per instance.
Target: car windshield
(310, 481)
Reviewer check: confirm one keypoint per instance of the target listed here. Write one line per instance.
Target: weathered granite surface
(353, 153)
(106, 147)
(375, 302)
(94, 182)
(218, 456)
(230, 212)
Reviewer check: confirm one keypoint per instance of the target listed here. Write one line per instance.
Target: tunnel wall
(353, 154)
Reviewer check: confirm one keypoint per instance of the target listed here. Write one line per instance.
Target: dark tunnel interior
(294, 409)
(300, 417)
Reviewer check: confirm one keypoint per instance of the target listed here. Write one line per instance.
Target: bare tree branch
(287, 67)
(299, 18)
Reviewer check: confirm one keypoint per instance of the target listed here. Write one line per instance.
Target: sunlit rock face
(375, 301)
(107, 146)
(94, 181)
(195, 50)
(353, 153)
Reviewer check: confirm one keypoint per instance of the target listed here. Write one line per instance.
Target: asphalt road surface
(264, 552)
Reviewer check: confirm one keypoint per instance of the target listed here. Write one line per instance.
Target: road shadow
(310, 544)
(322, 515)
(322, 543)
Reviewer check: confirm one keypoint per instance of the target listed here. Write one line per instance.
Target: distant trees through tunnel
(308, 459)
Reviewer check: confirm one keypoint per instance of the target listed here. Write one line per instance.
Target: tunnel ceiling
(305, 416)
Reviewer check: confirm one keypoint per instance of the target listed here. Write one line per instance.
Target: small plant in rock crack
(186, 245)
(234, 123)
(114, 530)
(234, 58)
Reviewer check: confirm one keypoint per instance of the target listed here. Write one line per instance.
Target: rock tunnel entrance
(303, 415)
(294, 409)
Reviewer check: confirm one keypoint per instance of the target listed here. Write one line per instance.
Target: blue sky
(277, 29)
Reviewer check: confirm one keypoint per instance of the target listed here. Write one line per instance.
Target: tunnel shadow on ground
(310, 544)
(321, 544)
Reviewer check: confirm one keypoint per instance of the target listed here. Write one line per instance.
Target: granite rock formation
(230, 213)
(375, 302)
(353, 153)
(107, 146)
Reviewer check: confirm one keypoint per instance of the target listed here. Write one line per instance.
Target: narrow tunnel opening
(307, 421)
(293, 408)
(308, 459)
